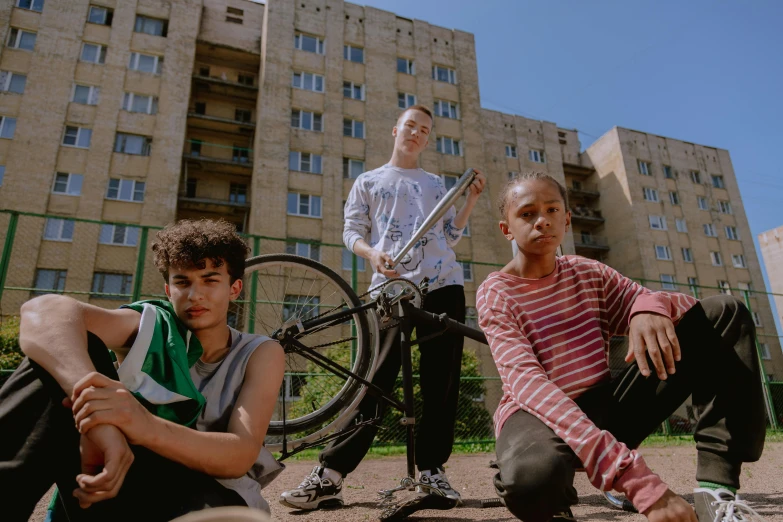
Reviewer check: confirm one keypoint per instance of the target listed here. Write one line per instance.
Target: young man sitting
(178, 426)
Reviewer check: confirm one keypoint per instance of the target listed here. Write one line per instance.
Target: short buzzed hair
(420, 108)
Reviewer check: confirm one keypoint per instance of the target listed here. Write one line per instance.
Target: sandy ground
(762, 487)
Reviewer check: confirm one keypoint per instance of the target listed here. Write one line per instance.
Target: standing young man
(385, 208)
(120, 444)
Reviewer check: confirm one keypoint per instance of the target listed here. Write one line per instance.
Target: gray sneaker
(721, 505)
(436, 479)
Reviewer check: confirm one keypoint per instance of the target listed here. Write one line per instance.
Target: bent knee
(535, 480)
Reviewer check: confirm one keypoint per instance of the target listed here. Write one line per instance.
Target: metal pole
(409, 418)
(251, 320)
(140, 259)
(445, 204)
(773, 421)
(7, 247)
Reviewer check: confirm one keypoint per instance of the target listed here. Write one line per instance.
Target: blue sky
(709, 72)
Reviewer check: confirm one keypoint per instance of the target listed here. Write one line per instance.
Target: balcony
(217, 124)
(586, 216)
(232, 206)
(577, 170)
(590, 242)
(238, 160)
(584, 191)
(223, 87)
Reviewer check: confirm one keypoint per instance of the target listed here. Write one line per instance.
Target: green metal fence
(109, 263)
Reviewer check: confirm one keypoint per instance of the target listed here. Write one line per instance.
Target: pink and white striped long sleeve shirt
(550, 337)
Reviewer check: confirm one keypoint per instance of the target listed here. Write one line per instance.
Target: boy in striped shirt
(549, 321)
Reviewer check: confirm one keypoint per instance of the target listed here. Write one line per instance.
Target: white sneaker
(436, 479)
(319, 489)
(721, 505)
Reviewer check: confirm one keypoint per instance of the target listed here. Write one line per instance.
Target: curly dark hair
(527, 176)
(187, 243)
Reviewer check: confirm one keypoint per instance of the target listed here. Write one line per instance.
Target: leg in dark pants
(439, 385)
(41, 447)
(719, 367)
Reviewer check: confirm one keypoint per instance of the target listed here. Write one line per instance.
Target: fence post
(7, 247)
(773, 421)
(354, 285)
(140, 260)
(251, 327)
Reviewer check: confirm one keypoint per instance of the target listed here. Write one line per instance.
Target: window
(512, 175)
(644, 168)
(674, 198)
(471, 320)
(717, 260)
(20, 39)
(300, 306)
(687, 255)
(709, 230)
(663, 252)
(536, 156)
(695, 176)
(58, 229)
(756, 319)
(446, 109)
(140, 103)
(353, 128)
(93, 53)
(724, 287)
(650, 194)
(353, 54)
(200, 108)
(2, 174)
(69, 184)
(12, 82)
(668, 282)
(354, 91)
(308, 81)
(7, 127)
(693, 283)
(304, 250)
(234, 20)
(119, 235)
(718, 182)
(405, 66)
(764, 348)
(658, 222)
(511, 151)
(49, 281)
(100, 15)
(243, 115)
(245, 79)
(237, 193)
(304, 205)
(449, 181)
(352, 168)
(725, 207)
(191, 185)
(304, 162)
(85, 94)
(467, 270)
(668, 173)
(448, 146)
(348, 261)
(731, 233)
(117, 284)
(738, 260)
(125, 190)
(444, 74)
(240, 155)
(293, 387)
(132, 144)
(405, 100)
(311, 44)
(146, 63)
(32, 5)
(744, 287)
(702, 202)
(682, 226)
(466, 230)
(77, 137)
(306, 120)
(151, 26)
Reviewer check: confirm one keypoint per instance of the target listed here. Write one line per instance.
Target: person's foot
(721, 505)
(321, 489)
(436, 479)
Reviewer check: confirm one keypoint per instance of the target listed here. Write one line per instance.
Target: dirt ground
(762, 486)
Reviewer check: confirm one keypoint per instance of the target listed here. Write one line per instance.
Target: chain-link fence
(109, 263)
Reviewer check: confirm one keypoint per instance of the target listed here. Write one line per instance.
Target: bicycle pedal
(403, 510)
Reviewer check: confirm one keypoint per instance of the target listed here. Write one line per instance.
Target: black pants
(440, 365)
(719, 368)
(40, 447)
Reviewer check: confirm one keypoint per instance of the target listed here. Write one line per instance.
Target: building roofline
(670, 138)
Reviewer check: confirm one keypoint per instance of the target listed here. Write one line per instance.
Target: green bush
(10, 353)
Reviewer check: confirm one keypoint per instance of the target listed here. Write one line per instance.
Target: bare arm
(377, 259)
(53, 333)
(474, 191)
(229, 455)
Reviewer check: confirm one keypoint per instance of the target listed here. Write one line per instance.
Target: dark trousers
(440, 365)
(719, 368)
(40, 447)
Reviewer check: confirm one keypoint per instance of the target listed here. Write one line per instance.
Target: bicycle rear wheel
(311, 398)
